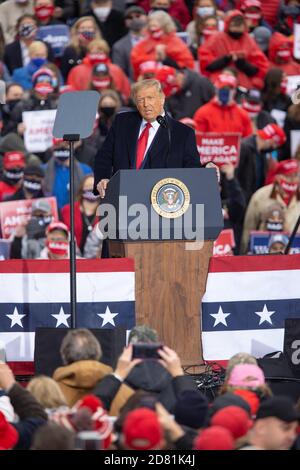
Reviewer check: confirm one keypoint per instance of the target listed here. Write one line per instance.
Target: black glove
(219, 63)
(246, 67)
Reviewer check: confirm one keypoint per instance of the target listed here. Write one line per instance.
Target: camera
(88, 440)
(146, 350)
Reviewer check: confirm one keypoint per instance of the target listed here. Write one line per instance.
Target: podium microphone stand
(75, 117)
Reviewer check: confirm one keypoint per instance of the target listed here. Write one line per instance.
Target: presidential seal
(170, 198)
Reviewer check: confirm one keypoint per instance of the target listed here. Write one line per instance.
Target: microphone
(162, 120)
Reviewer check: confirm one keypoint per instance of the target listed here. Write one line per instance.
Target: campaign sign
(57, 35)
(224, 244)
(4, 249)
(14, 213)
(219, 148)
(38, 135)
(259, 242)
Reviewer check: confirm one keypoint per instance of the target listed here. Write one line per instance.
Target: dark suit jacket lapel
(132, 138)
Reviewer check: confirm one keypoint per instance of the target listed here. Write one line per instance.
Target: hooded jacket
(215, 54)
(277, 41)
(176, 50)
(213, 117)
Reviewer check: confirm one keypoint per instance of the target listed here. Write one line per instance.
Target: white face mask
(102, 12)
(205, 11)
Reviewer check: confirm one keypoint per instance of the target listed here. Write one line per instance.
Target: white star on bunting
(16, 318)
(220, 317)
(107, 317)
(265, 315)
(61, 318)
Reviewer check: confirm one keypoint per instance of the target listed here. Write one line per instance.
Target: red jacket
(277, 41)
(176, 49)
(270, 9)
(221, 44)
(178, 10)
(6, 190)
(80, 76)
(66, 217)
(213, 117)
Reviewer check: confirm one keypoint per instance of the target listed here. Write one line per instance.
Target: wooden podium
(170, 275)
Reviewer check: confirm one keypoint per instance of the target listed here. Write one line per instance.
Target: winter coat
(176, 50)
(80, 378)
(213, 117)
(215, 54)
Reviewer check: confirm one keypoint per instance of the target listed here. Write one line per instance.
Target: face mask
(225, 95)
(98, 58)
(61, 155)
(208, 31)
(137, 24)
(32, 187)
(108, 111)
(284, 55)
(58, 248)
(38, 61)
(254, 18)
(205, 11)
(36, 227)
(289, 188)
(274, 226)
(253, 109)
(283, 86)
(44, 88)
(90, 196)
(235, 34)
(12, 176)
(156, 33)
(27, 30)
(9, 106)
(101, 83)
(102, 12)
(44, 13)
(87, 35)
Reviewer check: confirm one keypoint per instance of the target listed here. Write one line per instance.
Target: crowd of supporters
(225, 67)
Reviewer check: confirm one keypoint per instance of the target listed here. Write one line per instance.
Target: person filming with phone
(146, 364)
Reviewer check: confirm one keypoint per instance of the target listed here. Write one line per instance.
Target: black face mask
(13, 176)
(33, 187)
(9, 106)
(108, 111)
(36, 227)
(235, 34)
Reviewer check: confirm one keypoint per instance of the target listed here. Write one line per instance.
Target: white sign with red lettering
(38, 129)
(15, 213)
(219, 148)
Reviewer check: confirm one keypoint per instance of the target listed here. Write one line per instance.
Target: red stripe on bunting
(225, 264)
(63, 266)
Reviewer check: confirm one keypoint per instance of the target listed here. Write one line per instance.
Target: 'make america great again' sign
(219, 148)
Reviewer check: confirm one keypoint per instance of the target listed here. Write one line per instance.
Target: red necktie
(142, 145)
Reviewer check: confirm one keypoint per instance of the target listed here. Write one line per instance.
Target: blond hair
(100, 44)
(47, 392)
(74, 30)
(147, 83)
(37, 46)
(164, 20)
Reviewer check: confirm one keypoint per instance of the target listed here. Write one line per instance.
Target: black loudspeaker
(280, 377)
(48, 341)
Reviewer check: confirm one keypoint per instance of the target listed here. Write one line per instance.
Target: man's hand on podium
(212, 165)
(101, 187)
